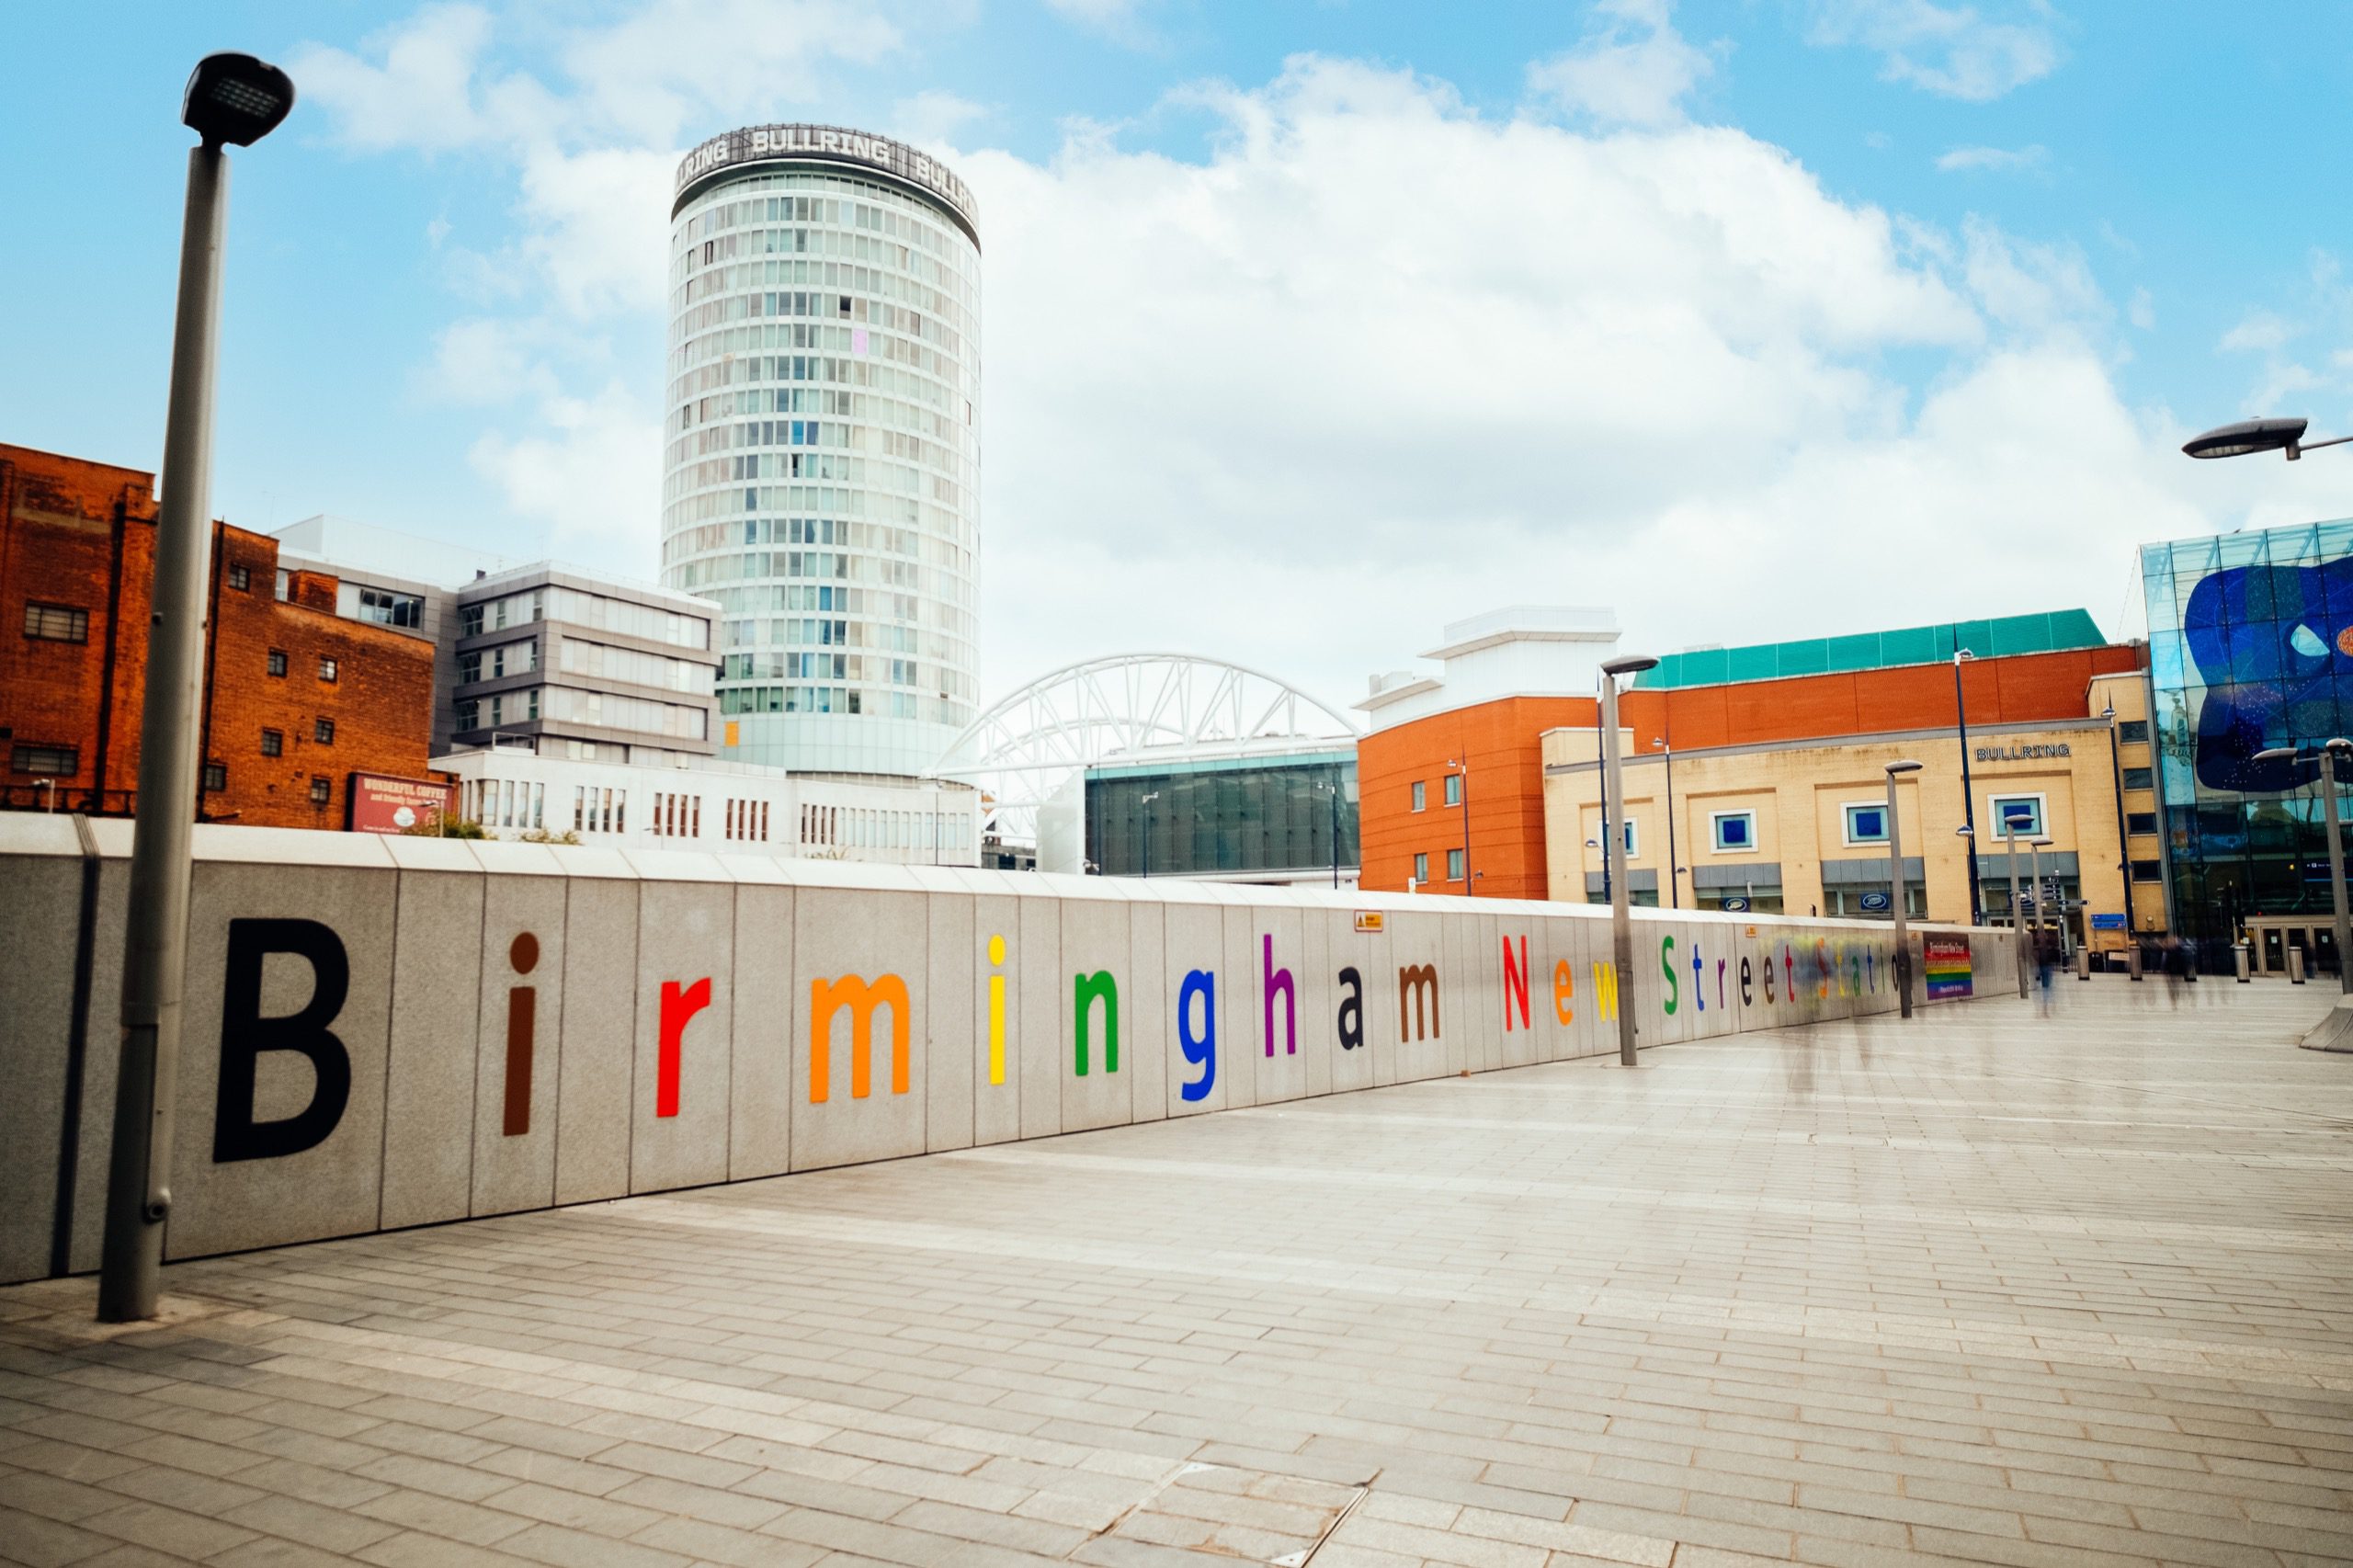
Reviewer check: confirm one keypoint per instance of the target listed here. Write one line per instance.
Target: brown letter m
(1418, 983)
(827, 997)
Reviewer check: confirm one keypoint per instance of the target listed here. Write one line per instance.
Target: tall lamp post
(2329, 754)
(2011, 827)
(1333, 790)
(2123, 846)
(1144, 805)
(2034, 849)
(232, 100)
(1464, 769)
(1969, 799)
(1896, 887)
(1613, 844)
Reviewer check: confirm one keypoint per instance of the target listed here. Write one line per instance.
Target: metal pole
(1467, 890)
(1336, 833)
(139, 1172)
(1969, 801)
(2018, 931)
(1674, 888)
(1897, 895)
(2336, 863)
(2034, 870)
(2123, 845)
(1622, 922)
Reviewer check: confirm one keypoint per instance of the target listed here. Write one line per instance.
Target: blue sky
(1309, 327)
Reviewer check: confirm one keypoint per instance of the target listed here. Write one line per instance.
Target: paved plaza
(1986, 1287)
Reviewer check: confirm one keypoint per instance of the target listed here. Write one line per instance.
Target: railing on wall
(65, 800)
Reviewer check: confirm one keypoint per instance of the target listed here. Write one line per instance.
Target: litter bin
(2295, 965)
(2238, 957)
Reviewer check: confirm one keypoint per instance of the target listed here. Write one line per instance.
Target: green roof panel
(1876, 649)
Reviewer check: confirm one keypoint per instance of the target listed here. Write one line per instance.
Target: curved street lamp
(1896, 887)
(2258, 436)
(1622, 924)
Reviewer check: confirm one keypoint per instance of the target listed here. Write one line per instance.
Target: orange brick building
(1501, 737)
(296, 699)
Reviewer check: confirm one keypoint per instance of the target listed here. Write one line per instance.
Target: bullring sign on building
(392, 1031)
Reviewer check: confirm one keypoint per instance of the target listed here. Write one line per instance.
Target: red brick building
(296, 699)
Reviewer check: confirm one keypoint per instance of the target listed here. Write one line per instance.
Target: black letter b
(246, 1034)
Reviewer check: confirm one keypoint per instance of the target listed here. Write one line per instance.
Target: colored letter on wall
(1417, 984)
(1352, 1010)
(1516, 984)
(1086, 990)
(522, 1016)
(1666, 968)
(246, 1034)
(1280, 980)
(1201, 1048)
(1565, 990)
(828, 996)
(996, 1012)
(1747, 996)
(1605, 991)
(677, 1009)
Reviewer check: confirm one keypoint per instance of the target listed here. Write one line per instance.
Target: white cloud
(2260, 332)
(932, 120)
(591, 478)
(2143, 311)
(1997, 160)
(1952, 50)
(1634, 68)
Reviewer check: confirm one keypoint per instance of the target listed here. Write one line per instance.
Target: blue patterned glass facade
(2250, 648)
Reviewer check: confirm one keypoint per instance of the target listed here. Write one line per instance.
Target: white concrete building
(1517, 651)
(821, 460)
(513, 791)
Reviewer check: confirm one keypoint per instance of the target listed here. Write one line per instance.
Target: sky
(1307, 327)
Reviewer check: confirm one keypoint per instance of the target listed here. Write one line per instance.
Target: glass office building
(2250, 649)
(1286, 818)
(820, 451)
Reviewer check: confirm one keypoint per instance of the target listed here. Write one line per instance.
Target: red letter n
(678, 1007)
(1516, 984)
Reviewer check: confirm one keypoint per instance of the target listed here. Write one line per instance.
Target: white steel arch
(1029, 744)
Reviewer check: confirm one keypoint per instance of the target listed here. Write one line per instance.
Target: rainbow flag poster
(1947, 967)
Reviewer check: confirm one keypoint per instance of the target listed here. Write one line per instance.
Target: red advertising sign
(382, 803)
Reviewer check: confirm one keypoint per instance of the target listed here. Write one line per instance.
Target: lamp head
(1904, 766)
(1628, 665)
(2247, 436)
(236, 99)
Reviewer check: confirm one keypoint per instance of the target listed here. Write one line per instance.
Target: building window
(50, 762)
(216, 777)
(1866, 825)
(2132, 732)
(1734, 831)
(2139, 821)
(388, 608)
(1421, 867)
(1454, 788)
(326, 669)
(57, 623)
(323, 732)
(2139, 779)
(2147, 871)
(469, 715)
(320, 790)
(240, 579)
(1454, 865)
(273, 743)
(469, 668)
(470, 621)
(1421, 795)
(2018, 814)
(277, 661)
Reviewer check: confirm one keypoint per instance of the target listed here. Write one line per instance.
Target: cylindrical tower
(821, 467)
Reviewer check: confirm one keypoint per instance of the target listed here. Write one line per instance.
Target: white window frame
(1633, 839)
(1421, 795)
(2042, 812)
(1847, 821)
(1715, 834)
(1422, 866)
(1454, 866)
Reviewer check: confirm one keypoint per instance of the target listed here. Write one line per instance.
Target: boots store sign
(2022, 754)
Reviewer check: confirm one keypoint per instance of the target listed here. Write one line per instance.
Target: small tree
(442, 824)
(547, 835)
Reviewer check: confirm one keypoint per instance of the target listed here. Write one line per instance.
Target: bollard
(2238, 956)
(2083, 963)
(2295, 966)
(2132, 959)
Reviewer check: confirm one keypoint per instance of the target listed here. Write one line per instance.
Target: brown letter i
(522, 1007)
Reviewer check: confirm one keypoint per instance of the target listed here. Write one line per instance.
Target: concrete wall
(387, 1031)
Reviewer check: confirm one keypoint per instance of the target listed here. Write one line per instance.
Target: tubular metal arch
(1029, 744)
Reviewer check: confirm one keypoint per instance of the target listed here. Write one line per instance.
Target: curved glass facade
(821, 457)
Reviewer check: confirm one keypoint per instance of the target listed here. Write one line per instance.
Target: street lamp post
(1463, 769)
(1613, 844)
(2329, 753)
(2258, 436)
(2034, 849)
(1333, 790)
(1896, 887)
(232, 100)
(2123, 847)
(2011, 827)
(1968, 800)
(1146, 806)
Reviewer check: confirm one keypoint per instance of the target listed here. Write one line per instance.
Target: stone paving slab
(1983, 1287)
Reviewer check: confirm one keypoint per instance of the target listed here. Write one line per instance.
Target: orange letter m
(828, 996)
